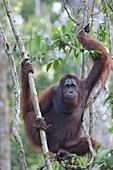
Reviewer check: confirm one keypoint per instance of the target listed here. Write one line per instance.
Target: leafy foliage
(51, 49)
(102, 32)
(104, 159)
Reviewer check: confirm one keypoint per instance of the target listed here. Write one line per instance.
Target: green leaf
(52, 59)
(74, 155)
(55, 64)
(101, 155)
(61, 60)
(79, 10)
(95, 53)
(82, 49)
(109, 161)
(48, 67)
(38, 91)
(54, 33)
(111, 130)
(76, 54)
(69, 24)
(63, 29)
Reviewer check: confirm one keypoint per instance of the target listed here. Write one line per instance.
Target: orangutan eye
(67, 85)
(73, 86)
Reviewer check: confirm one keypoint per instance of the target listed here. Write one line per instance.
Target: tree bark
(4, 119)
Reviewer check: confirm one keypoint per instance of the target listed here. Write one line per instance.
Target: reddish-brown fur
(88, 42)
(65, 117)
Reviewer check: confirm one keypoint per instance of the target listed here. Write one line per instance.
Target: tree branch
(31, 81)
(95, 97)
(109, 25)
(92, 13)
(69, 14)
(110, 5)
(68, 44)
(88, 140)
(16, 98)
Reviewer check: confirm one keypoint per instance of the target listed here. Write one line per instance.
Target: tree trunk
(4, 121)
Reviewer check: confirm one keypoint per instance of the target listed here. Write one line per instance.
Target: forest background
(49, 36)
